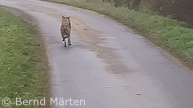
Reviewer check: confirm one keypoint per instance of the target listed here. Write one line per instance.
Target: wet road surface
(108, 65)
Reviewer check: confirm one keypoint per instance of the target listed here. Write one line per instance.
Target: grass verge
(23, 64)
(171, 35)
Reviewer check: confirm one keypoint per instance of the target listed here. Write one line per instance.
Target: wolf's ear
(68, 17)
(63, 16)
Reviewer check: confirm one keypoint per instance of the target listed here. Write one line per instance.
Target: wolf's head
(65, 20)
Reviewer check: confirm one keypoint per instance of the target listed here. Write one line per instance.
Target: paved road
(108, 65)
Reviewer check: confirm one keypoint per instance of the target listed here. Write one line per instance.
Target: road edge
(46, 92)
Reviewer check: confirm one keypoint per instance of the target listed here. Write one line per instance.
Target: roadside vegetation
(172, 35)
(23, 64)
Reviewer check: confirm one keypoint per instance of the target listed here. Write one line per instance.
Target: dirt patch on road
(107, 54)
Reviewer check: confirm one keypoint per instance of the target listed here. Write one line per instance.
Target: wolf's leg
(64, 43)
(69, 42)
(63, 39)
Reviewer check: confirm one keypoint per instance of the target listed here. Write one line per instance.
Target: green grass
(171, 35)
(22, 69)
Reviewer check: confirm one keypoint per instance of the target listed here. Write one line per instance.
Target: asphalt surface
(108, 65)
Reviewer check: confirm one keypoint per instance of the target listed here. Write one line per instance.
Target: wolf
(65, 30)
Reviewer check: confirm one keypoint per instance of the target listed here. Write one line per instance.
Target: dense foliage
(176, 9)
